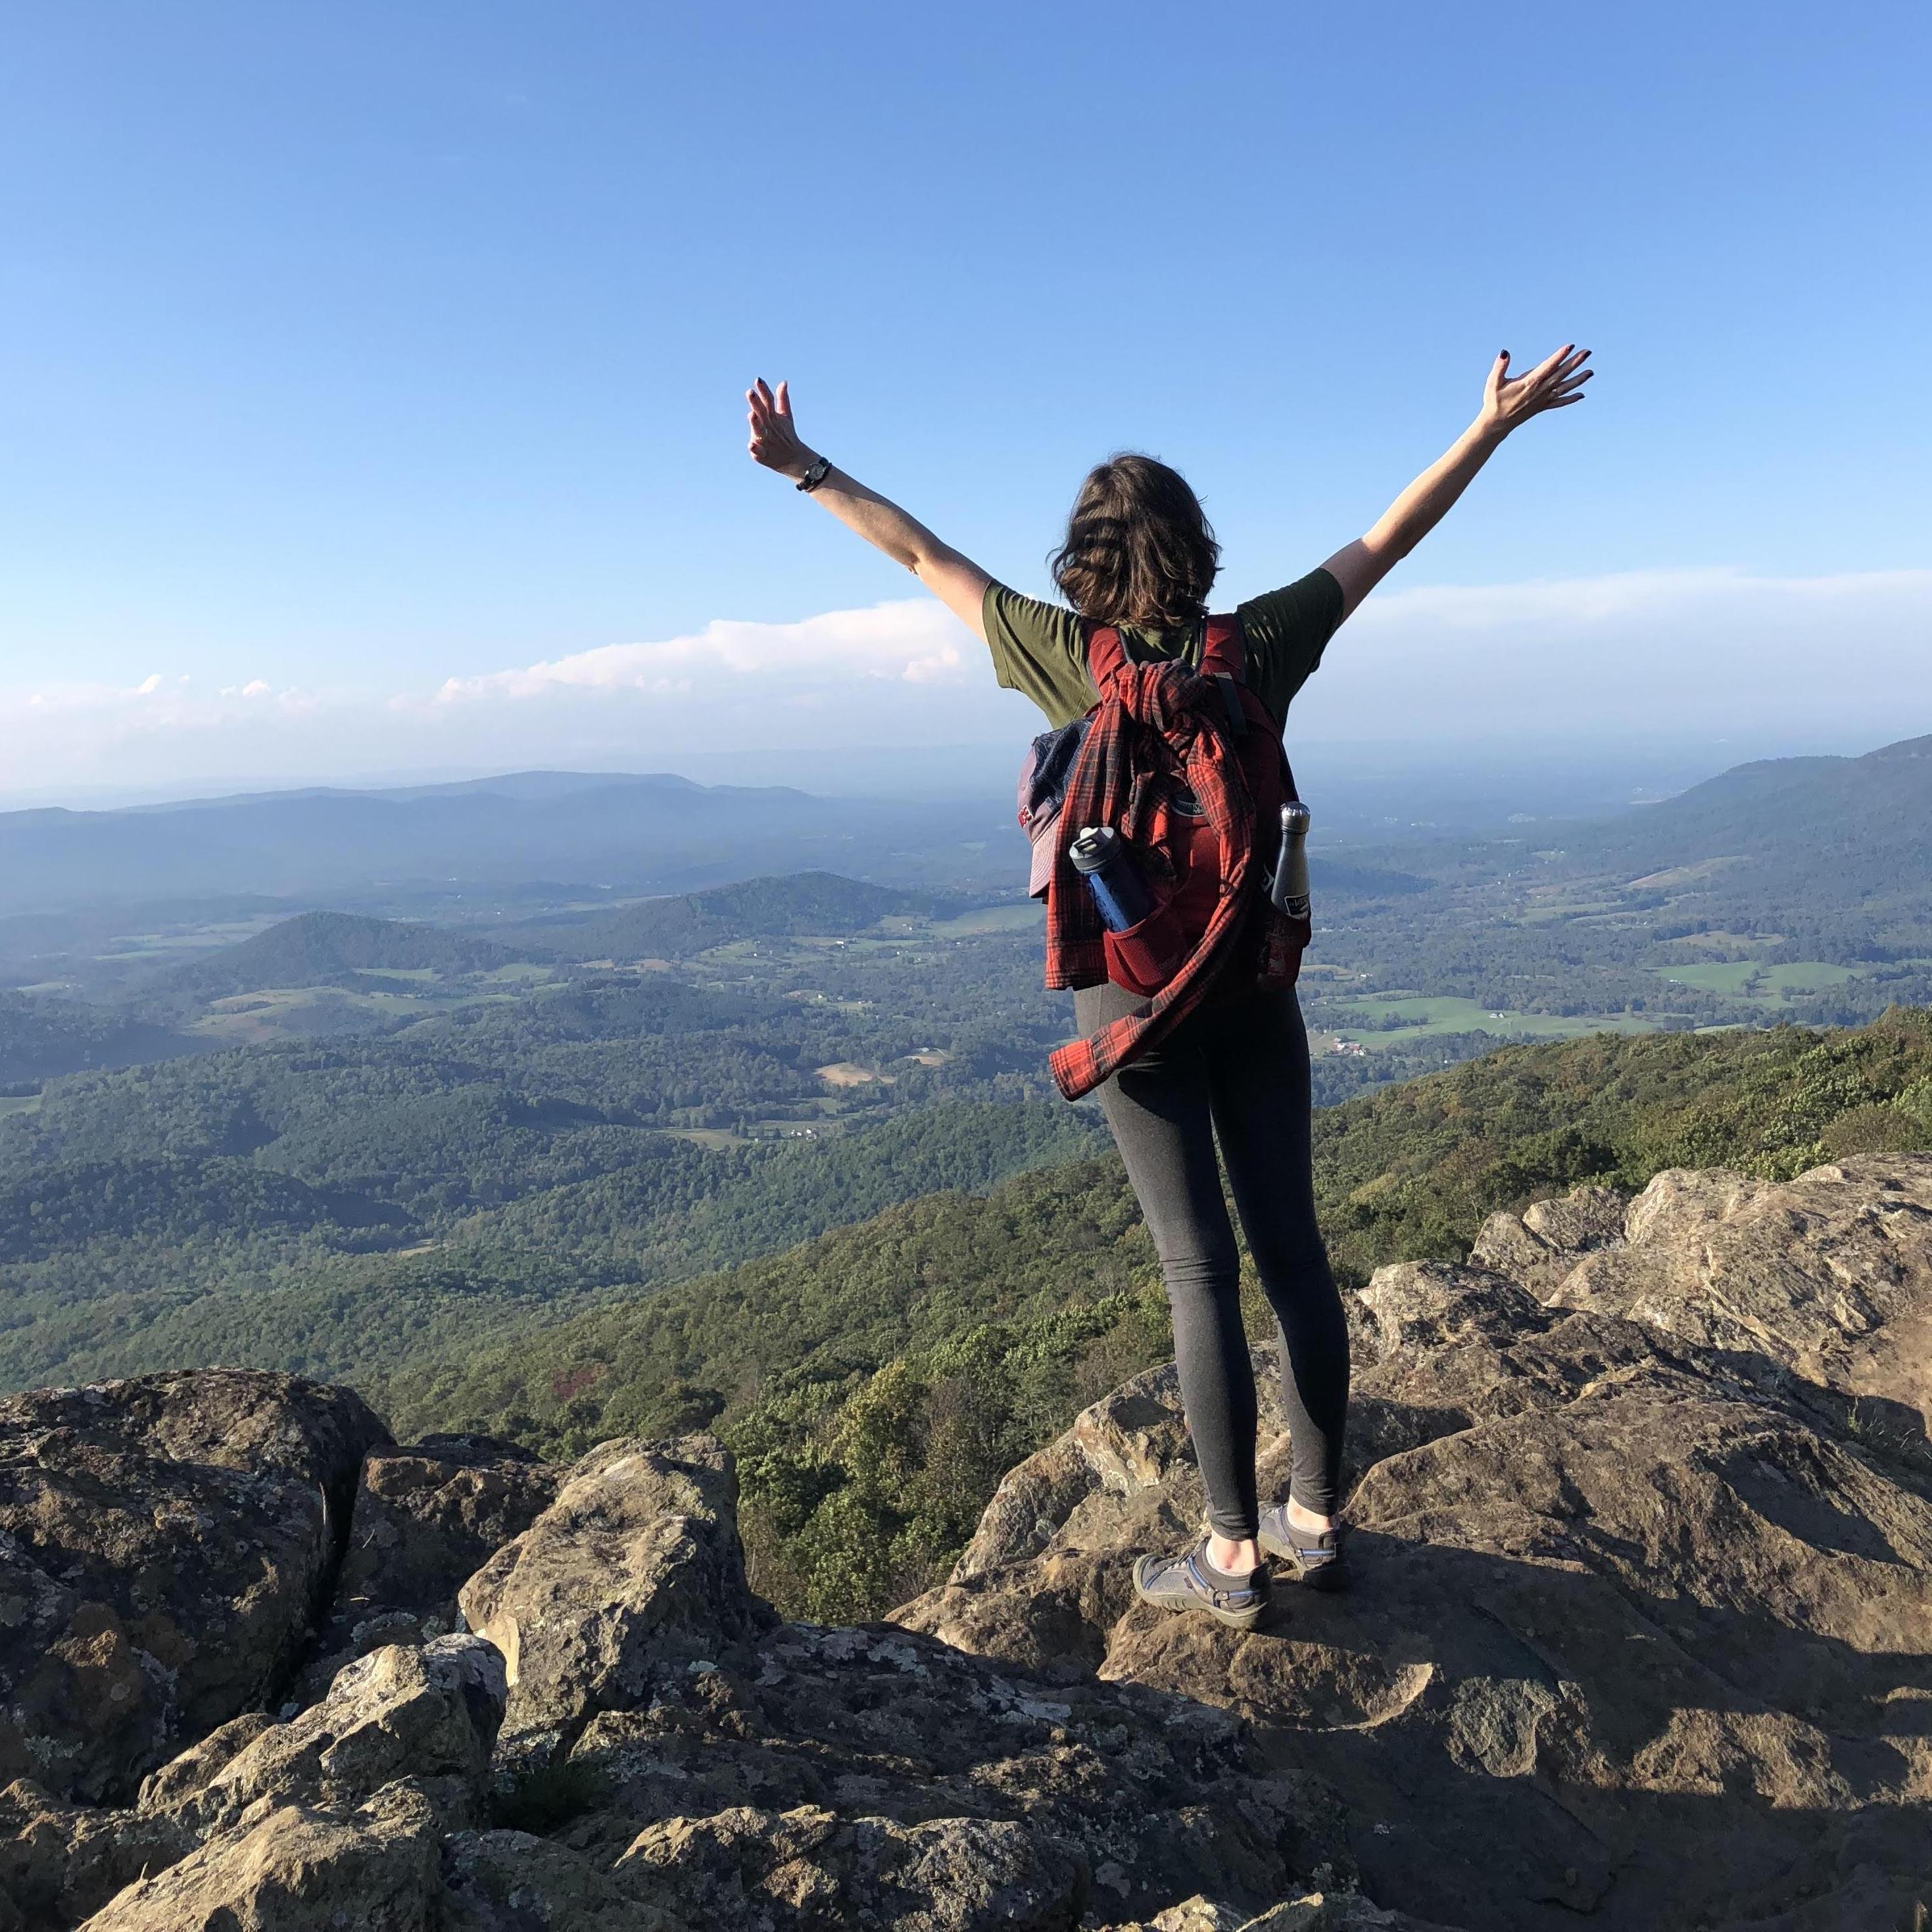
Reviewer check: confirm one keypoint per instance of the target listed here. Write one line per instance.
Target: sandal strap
(1326, 1547)
(1221, 1597)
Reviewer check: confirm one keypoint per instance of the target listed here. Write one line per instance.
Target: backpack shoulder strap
(1223, 652)
(1106, 654)
(1230, 700)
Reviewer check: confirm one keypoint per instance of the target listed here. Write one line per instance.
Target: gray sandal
(1319, 1558)
(1189, 1582)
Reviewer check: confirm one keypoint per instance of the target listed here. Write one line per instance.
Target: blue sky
(361, 360)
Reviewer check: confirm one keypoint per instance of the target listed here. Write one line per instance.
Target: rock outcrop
(1161, 1797)
(635, 1568)
(427, 1518)
(1824, 1274)
(288, 1868)
(430, 1714)
(60, 1862)
(506, 1881)
(809, 1867)
(165, 1543)
(1646, 1579)
(1643, 1508)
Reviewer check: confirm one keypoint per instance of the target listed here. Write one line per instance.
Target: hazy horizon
(1680, 656)
(1602, 771)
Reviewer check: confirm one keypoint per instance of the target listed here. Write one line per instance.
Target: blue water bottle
(1101, 859)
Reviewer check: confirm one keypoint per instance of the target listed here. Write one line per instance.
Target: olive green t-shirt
(1041, 649)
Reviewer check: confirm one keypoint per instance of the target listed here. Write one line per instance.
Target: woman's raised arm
(1508, 402)
(957, 581)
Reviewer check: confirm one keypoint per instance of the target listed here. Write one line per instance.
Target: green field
(189, 939)
(275, 1013)
(18, 1103)
(1749, 980)
(1422, 1016)
(1022, 918)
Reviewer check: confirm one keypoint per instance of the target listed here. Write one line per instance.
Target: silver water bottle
(1289, 888)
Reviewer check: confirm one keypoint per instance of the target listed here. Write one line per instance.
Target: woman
(1139, 555)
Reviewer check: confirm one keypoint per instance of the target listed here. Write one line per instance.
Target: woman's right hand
(958, 583)
(775, 441)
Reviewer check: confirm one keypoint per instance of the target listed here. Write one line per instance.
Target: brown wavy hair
(1139, 549)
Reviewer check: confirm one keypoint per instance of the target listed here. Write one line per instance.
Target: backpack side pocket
(1145, 956)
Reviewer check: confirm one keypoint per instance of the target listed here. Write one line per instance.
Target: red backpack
(1188, 767)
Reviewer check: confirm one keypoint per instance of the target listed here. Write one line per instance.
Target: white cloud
(1654, 652)
(917, 641)
(1592, 601)
(1651, 652)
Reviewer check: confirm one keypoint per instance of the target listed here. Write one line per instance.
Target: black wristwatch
(816, 475)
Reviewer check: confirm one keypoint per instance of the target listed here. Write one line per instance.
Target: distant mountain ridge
(1877, 806)
(320, 948)
(1835, 854)
(507, 785)
(818, 904)
(657, 833)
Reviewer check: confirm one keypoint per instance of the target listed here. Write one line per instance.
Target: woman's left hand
(775, 441)
(1555, 383)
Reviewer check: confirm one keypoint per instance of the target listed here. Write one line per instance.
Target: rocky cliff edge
(1642, 1500)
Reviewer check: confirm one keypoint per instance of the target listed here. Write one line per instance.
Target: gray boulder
(633, 1572)
(1163, 1796)
(1824, 1274)
(287, 1868)
(427, 1518)
(164, 1542)
(802, 1869)
(1541, 1245)
(429, 1715)
(514, 1882)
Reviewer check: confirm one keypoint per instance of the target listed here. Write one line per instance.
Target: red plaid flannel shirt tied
(1149, 713)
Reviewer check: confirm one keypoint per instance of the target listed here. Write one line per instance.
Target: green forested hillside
(455, 1111)
(317, 948)
(877, 1381)
(111, 1268)
(1827, 853)
(42, 1038)
(1789, 888)
(328, 1206)
(1847, 827)
(62, 1205)
(1411, 1170)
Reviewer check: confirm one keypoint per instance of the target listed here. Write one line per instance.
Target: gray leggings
(1240, 1071)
